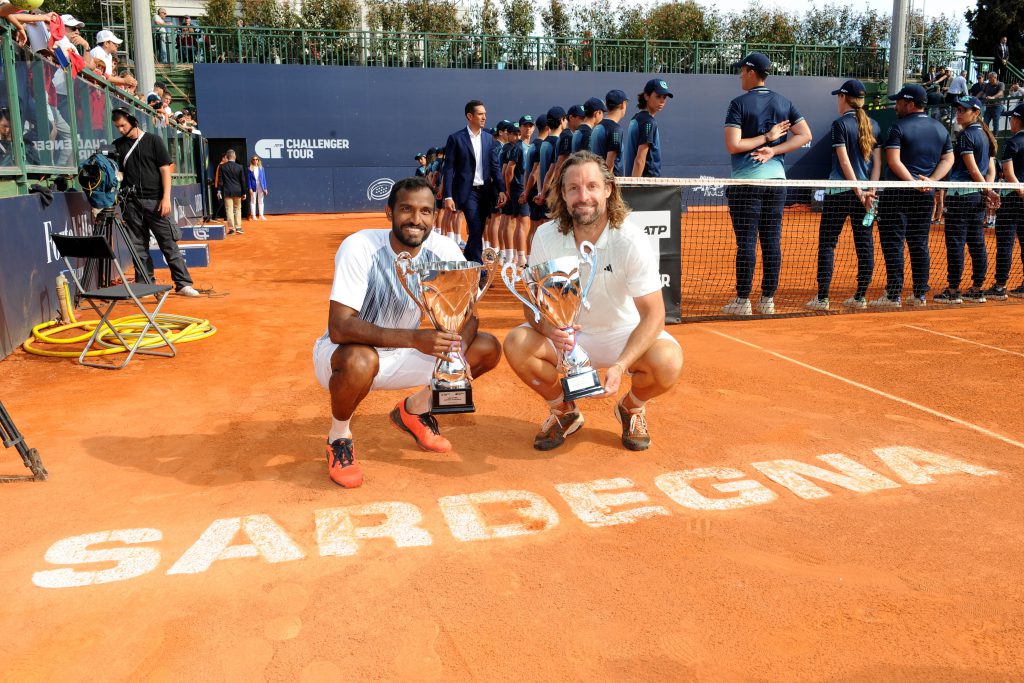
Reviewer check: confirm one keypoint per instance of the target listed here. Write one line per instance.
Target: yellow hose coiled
(178, 328)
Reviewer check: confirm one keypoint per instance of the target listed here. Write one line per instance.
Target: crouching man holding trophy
(373, 341)
(594, 301)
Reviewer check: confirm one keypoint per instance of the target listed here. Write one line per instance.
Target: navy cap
(555, 113)
(153, 98)
(970, 103)
(1018, 111)
(542, 121)
(615, 97)
(851, 87)
(421, 155)
(911, 92)
(592, 105)
(431, 150)
(440, 150)
(657, 85)
(576, 110)
(757, 61)
(525, 120)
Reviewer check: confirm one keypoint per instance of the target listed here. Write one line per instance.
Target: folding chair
(97, 247)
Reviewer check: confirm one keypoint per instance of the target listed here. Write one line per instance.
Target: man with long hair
(624, 328)
(373, 340)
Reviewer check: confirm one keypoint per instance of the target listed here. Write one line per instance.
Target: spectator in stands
(163, 35)
(232, 185)
(167, 110)
(187, 41)
(917, 147)
(992, 95)
(257, 188)
(7, 142)
(957, 88)
(73, 42)
(1001, 58)
(978, 86)
(18, 20)
(757, 124)
(103, 53)
(146, 166)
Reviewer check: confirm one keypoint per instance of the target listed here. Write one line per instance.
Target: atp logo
(269, 148)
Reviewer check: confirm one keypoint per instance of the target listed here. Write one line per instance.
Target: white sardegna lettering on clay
(605, 502)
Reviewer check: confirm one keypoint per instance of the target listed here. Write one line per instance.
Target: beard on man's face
(585, 213)
(410, 239)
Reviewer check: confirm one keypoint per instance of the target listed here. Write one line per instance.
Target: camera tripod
(108, 223)
(29, 456)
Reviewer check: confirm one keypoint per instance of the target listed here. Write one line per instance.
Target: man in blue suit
(470, 176)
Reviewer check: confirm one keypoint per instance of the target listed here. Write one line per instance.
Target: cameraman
(146, 191)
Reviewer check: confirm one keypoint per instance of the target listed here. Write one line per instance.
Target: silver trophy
(447, 292)
(553, 292)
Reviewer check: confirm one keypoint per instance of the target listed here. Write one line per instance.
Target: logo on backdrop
(296, 148)
(379, 190)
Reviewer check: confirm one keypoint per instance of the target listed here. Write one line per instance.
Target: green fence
(51, 121)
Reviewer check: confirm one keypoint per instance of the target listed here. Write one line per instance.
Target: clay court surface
(244, 561)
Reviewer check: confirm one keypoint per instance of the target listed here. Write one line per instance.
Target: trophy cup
(553, 291)
(447, 292)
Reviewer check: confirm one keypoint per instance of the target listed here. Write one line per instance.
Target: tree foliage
(684, 21)
(993, 19)
(556, 19)
(518, 17)
(337, 15)
(219, 12)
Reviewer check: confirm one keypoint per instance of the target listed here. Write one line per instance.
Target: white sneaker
(885, 302)
(263, 218)
(766, 305)
(738, 307)
(855, 302)
(917, 302)
(187, 290)
(817, 304)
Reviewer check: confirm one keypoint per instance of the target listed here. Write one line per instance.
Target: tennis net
(807, 246)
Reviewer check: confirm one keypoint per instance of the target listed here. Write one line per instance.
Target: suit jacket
(232, 180)
(460, 166)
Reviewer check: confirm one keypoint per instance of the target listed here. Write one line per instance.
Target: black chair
(97, 248)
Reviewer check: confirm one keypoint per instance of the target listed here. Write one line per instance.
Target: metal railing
(51, 121)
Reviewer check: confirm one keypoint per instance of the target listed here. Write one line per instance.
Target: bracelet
(623, 368)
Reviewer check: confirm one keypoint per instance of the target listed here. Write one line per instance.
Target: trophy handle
(588, 255)
(510, 275)
(403, 265)
(491, 264)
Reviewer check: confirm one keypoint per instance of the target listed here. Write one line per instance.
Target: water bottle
(869, 218)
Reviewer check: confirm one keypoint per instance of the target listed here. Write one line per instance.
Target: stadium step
(197, 255)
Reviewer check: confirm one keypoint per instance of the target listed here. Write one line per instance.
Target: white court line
(966, 341)
(877, 392)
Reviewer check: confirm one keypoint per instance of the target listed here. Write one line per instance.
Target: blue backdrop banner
(335, 138)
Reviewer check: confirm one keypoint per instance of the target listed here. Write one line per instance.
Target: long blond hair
(616, 208)
(866, 135)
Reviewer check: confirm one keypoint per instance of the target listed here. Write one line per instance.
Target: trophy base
(581, 385)
(451, 400)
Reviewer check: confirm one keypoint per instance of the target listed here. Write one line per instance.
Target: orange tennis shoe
(422, 427)
(341, 464)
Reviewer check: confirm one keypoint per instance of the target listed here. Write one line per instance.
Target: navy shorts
(538, 212)
(513, 207)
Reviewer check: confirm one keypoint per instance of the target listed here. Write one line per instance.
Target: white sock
(339, 430)
(633, 401)
(556, 403)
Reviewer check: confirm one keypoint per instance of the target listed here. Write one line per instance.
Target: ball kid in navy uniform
(917, 147)
(1010, 218)
(537, 211)
(855, 156)
(593, 110)
(975, 161)
(757, 124)
(642, 142)
(606, 140)
(549, 151)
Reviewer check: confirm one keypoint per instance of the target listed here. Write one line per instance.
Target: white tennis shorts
(399, 368)
(604, 348)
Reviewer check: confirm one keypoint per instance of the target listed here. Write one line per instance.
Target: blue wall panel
(379, 118)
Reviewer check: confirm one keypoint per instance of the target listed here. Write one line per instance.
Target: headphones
(121, 112)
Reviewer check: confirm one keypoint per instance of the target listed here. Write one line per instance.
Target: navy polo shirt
(921, 141)
(756, 112)
(548, 156)
(518, 155)
(533, 158)
(846, 133)
(565, 143)
(1013, 151)
(581, 138)
(973, 141)
(607, 137)
(643, 130)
